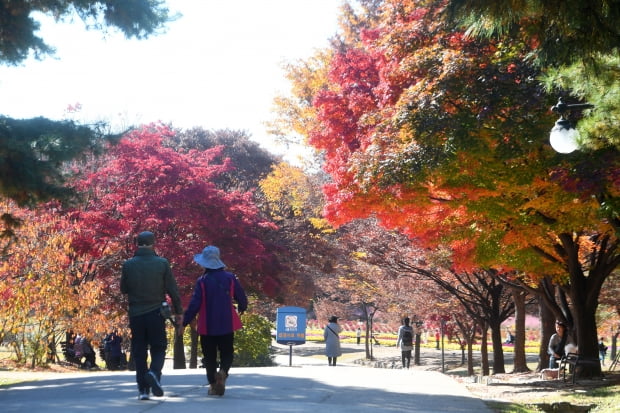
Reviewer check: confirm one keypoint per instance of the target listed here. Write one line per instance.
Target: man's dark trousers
(148, 331)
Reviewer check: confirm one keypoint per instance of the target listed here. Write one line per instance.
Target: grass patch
(606, 399)
(598, 400)
(506, 407)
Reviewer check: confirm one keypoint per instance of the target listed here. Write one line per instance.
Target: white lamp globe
(563, 137)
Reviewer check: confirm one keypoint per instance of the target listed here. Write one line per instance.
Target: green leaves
(32, 153)
(136, 18)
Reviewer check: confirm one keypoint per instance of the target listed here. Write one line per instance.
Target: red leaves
(414, 132)
(144, 185)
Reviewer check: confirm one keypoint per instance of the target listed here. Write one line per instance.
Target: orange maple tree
(441, 137)
(41, 290)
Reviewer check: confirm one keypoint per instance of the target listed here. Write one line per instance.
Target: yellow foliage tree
(40, 292)
(290, 193)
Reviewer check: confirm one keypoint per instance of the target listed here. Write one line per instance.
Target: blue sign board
(291, 325)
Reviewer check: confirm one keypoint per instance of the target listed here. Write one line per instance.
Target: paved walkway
(307, 385)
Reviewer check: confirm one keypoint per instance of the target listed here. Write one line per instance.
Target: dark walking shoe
(151, 379)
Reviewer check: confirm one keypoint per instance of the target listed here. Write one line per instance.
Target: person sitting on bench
(557, 344)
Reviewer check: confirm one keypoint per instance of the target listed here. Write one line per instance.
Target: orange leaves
(41, 291)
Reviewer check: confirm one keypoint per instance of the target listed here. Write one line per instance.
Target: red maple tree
(143, 185)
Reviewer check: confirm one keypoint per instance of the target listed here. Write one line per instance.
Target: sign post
(291, 328)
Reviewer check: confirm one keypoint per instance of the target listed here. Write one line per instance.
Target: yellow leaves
(563, 206)
(288, 191)
(36, 284)
(359, 254)
(322, 225)
(295, 114)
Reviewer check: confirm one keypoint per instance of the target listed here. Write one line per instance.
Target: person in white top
(332, 340)
(405, 341)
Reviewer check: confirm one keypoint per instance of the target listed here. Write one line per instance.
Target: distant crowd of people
(78, 349)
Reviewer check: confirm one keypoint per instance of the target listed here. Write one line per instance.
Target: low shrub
(253, 342)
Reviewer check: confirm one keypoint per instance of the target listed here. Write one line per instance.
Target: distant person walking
(214, 295)
(405, 341)
(358, 335)
(332, 340)
(146, 279)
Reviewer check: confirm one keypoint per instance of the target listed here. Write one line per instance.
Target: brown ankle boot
(220, 382)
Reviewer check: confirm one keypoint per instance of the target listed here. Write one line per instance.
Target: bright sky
(218, 66)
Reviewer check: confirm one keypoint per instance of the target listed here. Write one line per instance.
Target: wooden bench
(574, 360)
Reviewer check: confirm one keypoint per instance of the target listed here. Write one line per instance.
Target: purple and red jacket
(212, 301)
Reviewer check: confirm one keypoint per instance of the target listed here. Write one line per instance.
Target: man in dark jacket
(146, 279)
(212, 300)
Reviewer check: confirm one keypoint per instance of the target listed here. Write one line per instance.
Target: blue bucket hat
(210, 258)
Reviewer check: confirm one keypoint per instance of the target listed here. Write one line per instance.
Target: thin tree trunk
(484, 352)
(193, 349)
(498, 349)
(416, 354)
(520, 361)
(470, 352)
(495, 323)
(179, 353)
(547, 328)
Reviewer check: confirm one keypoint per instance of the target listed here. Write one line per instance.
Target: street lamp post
(563, 137)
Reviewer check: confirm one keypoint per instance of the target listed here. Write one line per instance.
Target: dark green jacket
(146, 278)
